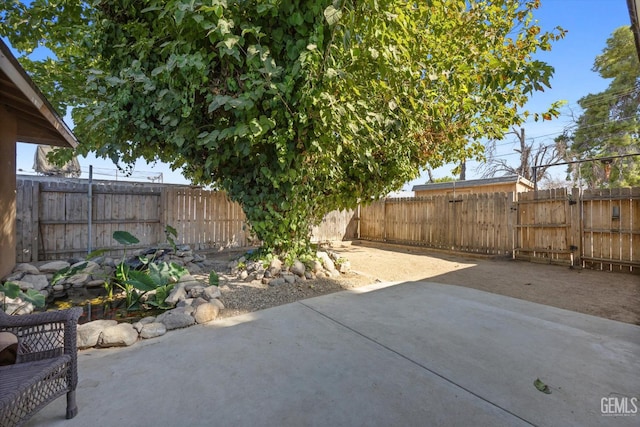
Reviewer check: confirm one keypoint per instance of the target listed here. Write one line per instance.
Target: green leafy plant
(214, 279)
(157, 277)
(123, 271)
(12, 290)
(338, 262)
(67, 272)
(158, 298)
(171, 233)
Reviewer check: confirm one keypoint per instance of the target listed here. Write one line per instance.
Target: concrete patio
(410, 354)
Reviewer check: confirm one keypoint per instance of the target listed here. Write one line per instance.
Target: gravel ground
(241, 297)
(611, 295)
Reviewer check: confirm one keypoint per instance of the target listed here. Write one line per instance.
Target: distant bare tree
(541, 157)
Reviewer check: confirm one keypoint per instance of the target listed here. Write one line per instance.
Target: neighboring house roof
(38, 122)
(634, 15)
(510, 179)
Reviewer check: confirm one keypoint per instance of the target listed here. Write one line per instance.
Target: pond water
(103, 309)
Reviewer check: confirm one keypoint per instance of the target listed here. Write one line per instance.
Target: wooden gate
(548, 229)
(611, 228)
(474, 223)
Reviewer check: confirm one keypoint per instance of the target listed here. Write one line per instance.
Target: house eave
(38, 122)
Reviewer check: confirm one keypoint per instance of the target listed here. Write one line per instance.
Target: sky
(589, 23)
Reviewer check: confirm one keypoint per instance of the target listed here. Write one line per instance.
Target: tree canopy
(610, 122)
(294, 107)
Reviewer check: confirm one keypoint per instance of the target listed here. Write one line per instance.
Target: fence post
(90, 210)
(576, 226)
(35, 221)
(162, 213)
(384, 220)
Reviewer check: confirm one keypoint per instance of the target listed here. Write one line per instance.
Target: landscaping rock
(217, 303)
(196, 291)
(345, 266)
(89, 333)
(148, 319)
(25, 267)
(298, 268)
(205, 313)
(89, 268)
(17, 306)
(39, 281)
(317, 266)
(78, 280)
(275, 267)
(212, 292)
(120, 335)
(15, 276)
(278, 281)
(193, 268)
(94, 283)
(185, 302)
(177, 294)
(137, 326)
(198, 301)
(289, 278)
(54, 266)
(152, 330)
(327, 263)
(177, 318)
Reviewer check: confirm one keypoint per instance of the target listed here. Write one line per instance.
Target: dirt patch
(610, 295)
(607, 294)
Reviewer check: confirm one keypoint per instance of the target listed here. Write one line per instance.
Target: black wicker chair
(46, 365)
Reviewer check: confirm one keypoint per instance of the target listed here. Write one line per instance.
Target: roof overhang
(509, 179)
(38, 122)
(634, 15)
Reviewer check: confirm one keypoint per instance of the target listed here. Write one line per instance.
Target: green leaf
(217, 102)
(141, 281)
(170, 230)
(96, 253)
(214, 280)
(10, 290)
(34, 297)
(332, 15)
(125, 238)
(541, 386)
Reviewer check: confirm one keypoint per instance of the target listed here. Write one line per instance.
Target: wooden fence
(52, 217)
(205, 219)
(599, 229)
(611, 228)
(548, 226)
(336, 226)
(477, 223)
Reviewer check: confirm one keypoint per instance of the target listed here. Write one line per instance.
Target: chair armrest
(44, 335)
(70, 315)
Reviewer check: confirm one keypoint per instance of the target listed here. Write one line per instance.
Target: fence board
(611, 234)
(601, 227)
(467, 223)
(544, 228)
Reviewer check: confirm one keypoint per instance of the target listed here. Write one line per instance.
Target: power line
(605, 159)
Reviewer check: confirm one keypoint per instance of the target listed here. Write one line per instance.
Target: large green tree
(294, 107)
(610, 122)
